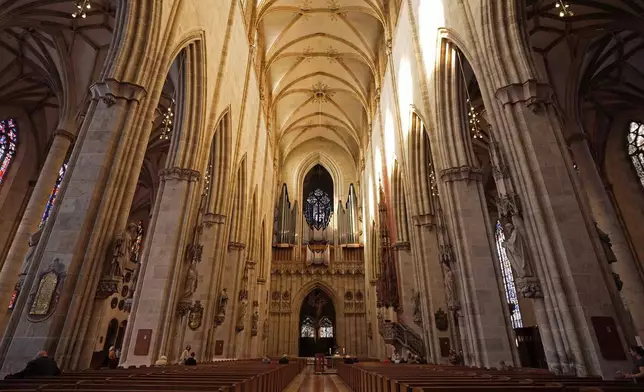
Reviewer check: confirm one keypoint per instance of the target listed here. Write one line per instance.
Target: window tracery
(326, 328)
(52, 196)
(8, 144)
(508, 279)
(635, 145)
(307, 330)
(318, 209)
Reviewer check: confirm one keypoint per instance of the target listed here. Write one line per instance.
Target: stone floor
(307, 381)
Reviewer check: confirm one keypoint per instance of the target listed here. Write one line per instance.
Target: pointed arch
(219, 163)
(421, 168)
(399, 204)
(239, 203)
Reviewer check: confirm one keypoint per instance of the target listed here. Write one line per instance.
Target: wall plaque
(219, 347)
(143, 339)
(43, 301)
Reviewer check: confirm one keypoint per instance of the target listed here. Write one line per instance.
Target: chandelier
(166, 124)
(433, 186)
(475, 120)
(562, 6)
(81, 7)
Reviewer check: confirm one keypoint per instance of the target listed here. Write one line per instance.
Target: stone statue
(450, 289)
(33, 243)
(121, 252)
(265, 331)
(223, 301)
(255, 320)
(417, 315)
(191, 282)
(243, 304)
(516, 249)
(606, 245)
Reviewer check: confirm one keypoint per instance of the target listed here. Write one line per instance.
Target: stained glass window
(635, 140)
(318, 209)
(307, 330)
(508, 279)
(8, 143)
(326, 328)
(52, 196)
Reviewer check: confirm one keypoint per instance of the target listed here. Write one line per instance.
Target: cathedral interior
(359, 177)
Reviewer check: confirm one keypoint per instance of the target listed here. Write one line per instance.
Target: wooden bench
(230, 376)
(379, 377)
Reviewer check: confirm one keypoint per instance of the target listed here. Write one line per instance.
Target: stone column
(73, 242)
(604, 213)
(31, 218)
(155, 301)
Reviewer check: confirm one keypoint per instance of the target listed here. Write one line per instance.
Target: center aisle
(307, 381)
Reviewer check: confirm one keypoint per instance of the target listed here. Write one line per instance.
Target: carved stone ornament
(194, 251)
(369, 330)
(509, 205)
(535, 95)
(265, 330)
(462, 173)
(402, 245)
(196, 316)
(255, 319)
(110, 90)
(236, 246)
(183, 307)
(44, 300)
(127, 305)
(445, 254)
(107, 286)
(221, 307)
(441, 321)
(179, 174)
(529, 287)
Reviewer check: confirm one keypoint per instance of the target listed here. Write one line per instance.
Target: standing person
(185, 354)
(42, 366)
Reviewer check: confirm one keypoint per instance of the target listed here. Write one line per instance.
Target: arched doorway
(317, 324)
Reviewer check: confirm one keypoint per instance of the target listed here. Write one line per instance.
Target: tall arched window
(52, 196)
(326, 328)
(635, 140)
(508, 279)
(8, 144)
(307, 330)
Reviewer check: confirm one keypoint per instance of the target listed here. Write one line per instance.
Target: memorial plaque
(143, 339)
(219, 347)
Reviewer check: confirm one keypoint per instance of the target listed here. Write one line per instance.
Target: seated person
(266, 360)
(284, 360)
(637, 353)
(190, 361)
(162, 361)
(348, 360)
(42, 366)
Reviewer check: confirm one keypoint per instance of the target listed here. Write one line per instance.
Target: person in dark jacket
(284, 360)
(190, 361)
(42, 366)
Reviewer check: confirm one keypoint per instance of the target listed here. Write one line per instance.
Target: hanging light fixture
(166, 124)
(473, 115)
(433, 185)
(563, 8)
(81, 9)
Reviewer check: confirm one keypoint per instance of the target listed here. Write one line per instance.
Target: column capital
(210, 219)
(425, 220)
(535, 95)
(177, 173)
(236, 245)
(65, 134)
(111, 90)
(402, 245)
(462, 173)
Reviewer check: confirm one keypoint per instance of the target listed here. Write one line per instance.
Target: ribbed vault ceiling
(320, 65)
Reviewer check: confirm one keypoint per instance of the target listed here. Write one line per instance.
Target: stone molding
(261, 281)
(250, 264)
(462, 173)
(177, 173)
(66, 134)
(402, 245)
(111, 90)
(535, 95)
(236, 245)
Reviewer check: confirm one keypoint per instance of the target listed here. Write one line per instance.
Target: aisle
(307, 381)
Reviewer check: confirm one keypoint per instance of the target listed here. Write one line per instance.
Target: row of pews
(382, 377)
(225, 376)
